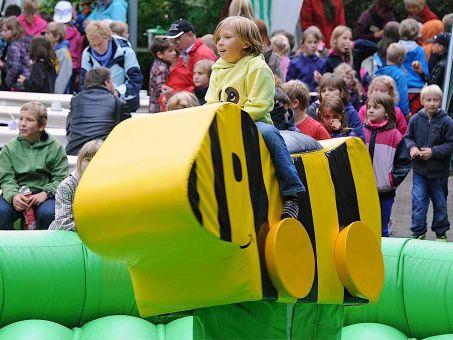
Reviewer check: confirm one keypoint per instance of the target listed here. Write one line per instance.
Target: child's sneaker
(418, 236)
(442, 238)
(290, 208)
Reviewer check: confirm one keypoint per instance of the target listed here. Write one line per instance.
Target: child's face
(169, 55)
(349, 79)
(29, 127)
(310, 45)
(431, 103)
(100, 45)
(229, 46)
(375, 112)
(330, 120)
(53, 39)
(329, 92)
(344, 43)
(6, 33)
(200, 77)
(438, 49)
(413, 10)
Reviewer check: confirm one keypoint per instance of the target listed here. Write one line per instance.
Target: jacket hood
(71, 32)
(408, 45)
(430, 29)
(439, 114)
(63, 44)
(222, 64)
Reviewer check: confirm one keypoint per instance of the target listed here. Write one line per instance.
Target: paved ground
(402, 209)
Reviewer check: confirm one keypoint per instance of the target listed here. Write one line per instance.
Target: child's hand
(415, 152)
(37, 199)
(21, 79)
(426, 153)
(2, 64)
(166, 89)
(317, 76)
(378, 34)
(20, 202)
(336, 124)
(417, 67)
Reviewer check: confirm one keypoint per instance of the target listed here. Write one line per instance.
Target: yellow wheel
(359, 261)
(289, 258)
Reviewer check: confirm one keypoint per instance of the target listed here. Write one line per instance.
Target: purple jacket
(303, 67)
(17, 61)
(371, 18)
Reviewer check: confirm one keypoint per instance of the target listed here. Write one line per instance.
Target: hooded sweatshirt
(414, 53)
(38, 26)
(41, 166)
(64, 68)
(248, 83)
(429, 30)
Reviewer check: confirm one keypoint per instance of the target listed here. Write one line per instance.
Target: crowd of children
(392, 102)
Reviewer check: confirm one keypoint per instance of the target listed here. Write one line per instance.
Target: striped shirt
(64, 196)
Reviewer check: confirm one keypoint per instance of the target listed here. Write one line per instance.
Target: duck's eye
(237, 167)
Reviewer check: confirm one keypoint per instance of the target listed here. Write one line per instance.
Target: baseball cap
(442, 38)
(178, 28)
(63, 12)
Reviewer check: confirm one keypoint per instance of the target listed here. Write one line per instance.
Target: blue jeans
(422, 191)
(44, 214)
(386, 211)
(288, 179)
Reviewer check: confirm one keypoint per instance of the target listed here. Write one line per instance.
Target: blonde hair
(17, 30)
(57, 29)
(208, 40)
(205, 65)
(97, 30)
(30, 8)
(87, 152)
(181, 100)
(280, 43)
(39, 111)
(343, 70)
(387, 102)
(409, 29)
(313, 31)
(431, 89)
(120, 28)
(419, 3)
(295, 89)
(247, 31)
(387, 82)
(396, 54)
(242, 8)
(338, 32)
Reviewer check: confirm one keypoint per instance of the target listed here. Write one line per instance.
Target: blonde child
(332, 117)
(242, 76)
(386, 85)
(346, 72)
(419, 10)
(33, 159)
(119, 28)
(280, 46)
(341, 44)
(388, 151)
(201, 74)
(181, 100)
(308, 66)
(64, 197)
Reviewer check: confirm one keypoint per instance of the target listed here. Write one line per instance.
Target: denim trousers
(386, 211)
(288, 179)
(423, 190)
(44, 214)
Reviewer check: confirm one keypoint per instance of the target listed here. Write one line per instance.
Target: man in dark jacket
(438, 60)
(95, 111)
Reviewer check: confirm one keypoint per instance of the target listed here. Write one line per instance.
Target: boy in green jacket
(35, 160)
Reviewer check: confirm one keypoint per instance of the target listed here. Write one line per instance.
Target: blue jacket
(436, 134)
(414, 53)
(126, 74)
(303, 67)
(399, 75)
(353, 121)
(115, 11)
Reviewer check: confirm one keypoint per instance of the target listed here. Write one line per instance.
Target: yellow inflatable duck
(190, 201)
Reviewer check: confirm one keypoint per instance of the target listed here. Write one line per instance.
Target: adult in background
(370, 25)
(271, 58)
(31, 20)
(119, 57)
(241, 8)
(15, 60)
(95, 111)
(191, 50)
(115, 10)
(324, 14)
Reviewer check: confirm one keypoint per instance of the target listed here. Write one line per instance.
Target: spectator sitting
(35, 160)
(12, 10)
(15, 60)
(119, 57)
(346, 72)
(95, 111)
(242, 8)
(30, 20)
(299, 96)
(419, 10)
(429, 30)
(166, 56)
(391, 35)
(280, 46)
(282, 116)
(272, 59)
(291, 40)
(42, 74)
(430, 142)
(438, 59)
(115, 10)
(370, 25)
(64, 197)
(415, 62)
(341, 44)
(181, 100)
(447, 20)
(332, 117)
(395, 58)
(385, 84)
(56, 32)
(307, 67)
(201, 74)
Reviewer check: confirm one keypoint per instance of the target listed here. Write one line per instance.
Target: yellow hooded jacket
(248, 83)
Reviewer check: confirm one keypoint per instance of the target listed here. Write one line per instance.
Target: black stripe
(258, 195)
(306, 218)
(194, 197)
(345, 194)
(219, 183)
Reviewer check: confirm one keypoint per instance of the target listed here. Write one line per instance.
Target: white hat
(63, 12)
